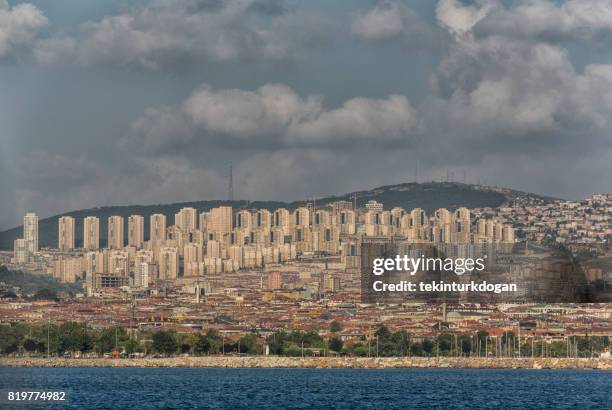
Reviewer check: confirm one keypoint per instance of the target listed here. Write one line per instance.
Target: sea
(153, 388)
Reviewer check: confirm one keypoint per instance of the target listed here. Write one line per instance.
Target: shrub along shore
(71, 339)
(317, 362)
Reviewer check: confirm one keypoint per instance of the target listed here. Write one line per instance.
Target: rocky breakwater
(318, 362)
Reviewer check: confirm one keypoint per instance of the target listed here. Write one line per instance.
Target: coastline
(261, 362)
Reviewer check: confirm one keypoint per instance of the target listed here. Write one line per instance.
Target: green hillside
(31, 283)
(428, 196)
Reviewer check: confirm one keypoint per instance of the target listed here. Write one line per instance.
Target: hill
(30, 282)
(428, 196)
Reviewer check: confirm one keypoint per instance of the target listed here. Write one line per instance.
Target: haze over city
(303, 98)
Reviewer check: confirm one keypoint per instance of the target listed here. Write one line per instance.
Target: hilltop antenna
(230, 185)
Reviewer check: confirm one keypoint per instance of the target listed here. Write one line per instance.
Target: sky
(144, 102)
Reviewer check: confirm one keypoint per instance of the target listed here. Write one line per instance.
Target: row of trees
(46, 338)
(66, 337)
(481, 344)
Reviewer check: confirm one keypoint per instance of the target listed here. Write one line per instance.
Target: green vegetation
(335, 326)
(45, 294)
(59, 339)
(70, 337)
(43, 286)
(295, 343)
(165, 342)
(335, 344)
(111, 338)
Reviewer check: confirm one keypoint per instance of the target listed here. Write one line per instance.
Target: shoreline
(269, 362)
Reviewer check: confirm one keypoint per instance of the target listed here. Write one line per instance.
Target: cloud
(160, 129)
(580, 20)
(51, 184)
(508, 102)
(19, 27)
(274, 115)
(266, 112)
(459, 18)
(171, 34)
(507, 90)
(391, 20)
(359, 120)
(544, 20)
(291, 174)
(54, 50)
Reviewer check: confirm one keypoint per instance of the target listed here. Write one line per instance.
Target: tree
(9, 294)
(290, 349)
(45, 294)
(215, 340)
(132, 346)
(30, 345)
(275, 342)
(335, 326)
(335, 344)
(481, 341)
(110, 338)
(416, 349)
(248, 344)
(74, 337)
(201, 345)
(8, 339)
(310, 338)
(401, 340)
(358, 349)
(192, 340)
(165, 342)
(445, 342)
(428, 346)
(465, 344)
(382, 332)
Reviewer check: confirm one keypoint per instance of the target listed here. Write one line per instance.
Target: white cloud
(583, 20)
(507, 102)
(53, 50)
(391, 20)
(267, 112)
(459, 18)
(19, 27)
(491, 86)
(504, 85)
(359, 119)
(166, 34)
(275, 114)
(545, 20)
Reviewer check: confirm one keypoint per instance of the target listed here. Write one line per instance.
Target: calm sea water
(313, 389)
